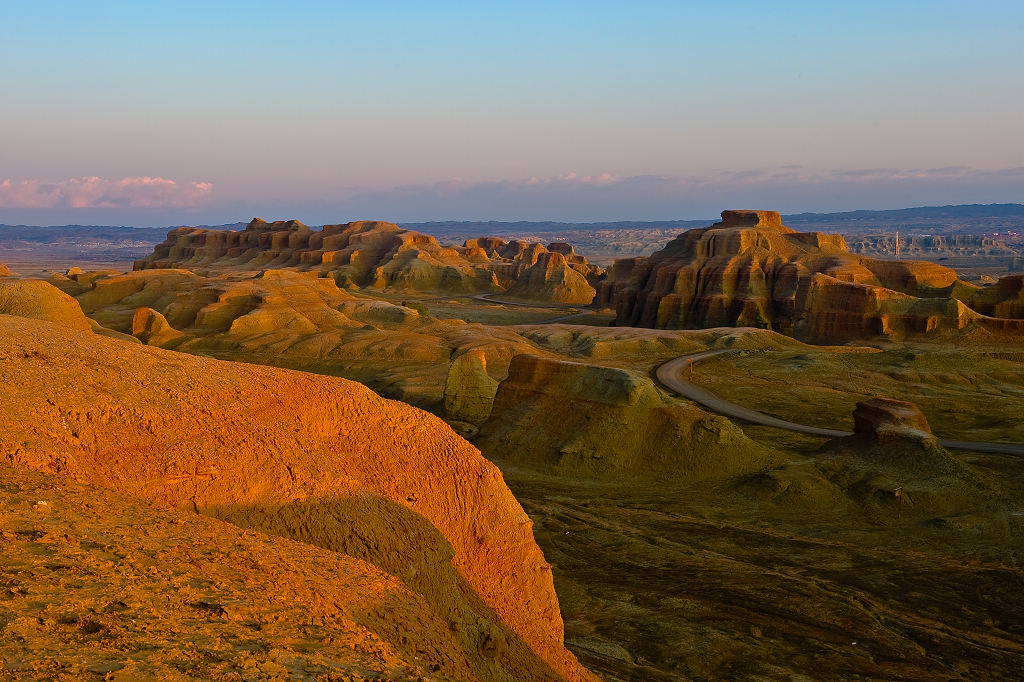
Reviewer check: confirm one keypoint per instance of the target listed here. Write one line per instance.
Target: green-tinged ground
(966, 393)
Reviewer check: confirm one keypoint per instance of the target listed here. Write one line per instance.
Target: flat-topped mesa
(751, 218)
(381, 255)
(750, 270)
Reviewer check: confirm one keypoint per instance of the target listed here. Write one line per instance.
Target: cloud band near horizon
(569, 197)
(95, 192)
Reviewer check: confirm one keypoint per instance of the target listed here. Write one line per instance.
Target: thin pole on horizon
(897, 244)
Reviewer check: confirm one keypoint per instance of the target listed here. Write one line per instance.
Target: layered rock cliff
(314, 459)
(382, 255)
(751, 270)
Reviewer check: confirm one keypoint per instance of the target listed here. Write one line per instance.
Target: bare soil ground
(704, 584)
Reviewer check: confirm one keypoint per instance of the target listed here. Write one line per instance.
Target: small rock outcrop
(381, 255)
(152, 328)
(885, 420)
(751, 270)
(896, 434)
(5, 271)
(585, 420)
(469, 390)
(890, 470)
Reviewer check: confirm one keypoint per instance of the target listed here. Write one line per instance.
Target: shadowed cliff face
(750, 270)
(381, 255)
(317, 459)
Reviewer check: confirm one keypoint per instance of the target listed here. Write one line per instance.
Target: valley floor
(702, 584)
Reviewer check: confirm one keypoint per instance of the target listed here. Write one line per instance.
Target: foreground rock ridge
(315, 459)
(98, 585)
(382, 255)
(751, 270)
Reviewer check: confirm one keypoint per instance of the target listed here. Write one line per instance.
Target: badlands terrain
(523, 499)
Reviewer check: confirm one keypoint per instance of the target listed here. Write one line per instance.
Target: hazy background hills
(601, 241)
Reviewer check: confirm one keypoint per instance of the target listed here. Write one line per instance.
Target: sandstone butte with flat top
(751, 270)
(318, 460)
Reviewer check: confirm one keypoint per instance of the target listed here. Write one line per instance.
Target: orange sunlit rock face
(316, 459)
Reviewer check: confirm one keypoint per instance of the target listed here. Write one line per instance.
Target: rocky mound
(152, 329)
(553, 279)
(576, 419)
(5, 271)
(382, 255)
(892, 467)
(469, 390)
(896, 430)
(750, 270)
(885, 420)
(315, 459)
(39, 300)
(293, 319)
(279, 317)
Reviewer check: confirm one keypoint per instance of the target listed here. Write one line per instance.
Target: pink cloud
(93, 192)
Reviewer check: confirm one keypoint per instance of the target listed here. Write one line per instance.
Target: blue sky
(157, 113)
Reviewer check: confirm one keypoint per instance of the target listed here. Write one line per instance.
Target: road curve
(670, 375)
(581, 312)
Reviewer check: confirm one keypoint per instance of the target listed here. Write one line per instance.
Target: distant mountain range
(942, 219)
(609, 239)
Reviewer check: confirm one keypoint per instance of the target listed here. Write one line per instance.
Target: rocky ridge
(751, 270)
(381, 255)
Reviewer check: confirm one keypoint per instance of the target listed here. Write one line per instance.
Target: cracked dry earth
(99, 585)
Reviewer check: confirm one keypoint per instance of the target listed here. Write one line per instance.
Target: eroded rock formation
(751, 270)
(315, 459)
(41, 301)
(468, 389)
(552, 278)
(587, 420)
(382, 255)
(884, 420)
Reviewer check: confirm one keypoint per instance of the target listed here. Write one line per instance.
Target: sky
(152, 113)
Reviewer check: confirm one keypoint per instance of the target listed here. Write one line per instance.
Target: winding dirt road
(670, 375)
(580, 312)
